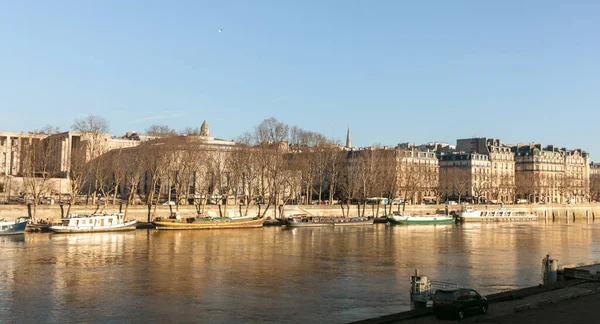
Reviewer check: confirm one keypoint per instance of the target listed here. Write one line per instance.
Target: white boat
(501, 214)
(13, 227)
(94, 223)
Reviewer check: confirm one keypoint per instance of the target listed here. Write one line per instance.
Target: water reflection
(12, 238)
(327, 274)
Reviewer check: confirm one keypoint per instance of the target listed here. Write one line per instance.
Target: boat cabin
(75, 220)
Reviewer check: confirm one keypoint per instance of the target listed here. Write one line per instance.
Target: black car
(458, 302)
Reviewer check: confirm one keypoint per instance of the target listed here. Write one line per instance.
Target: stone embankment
(140, 212)
(563, 302)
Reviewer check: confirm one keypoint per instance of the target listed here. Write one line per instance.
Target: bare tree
(481, 185)
(91, 124)
(94, 127)
(456, 180)
(271, 131)
(191, 131)
(160, 131)
(48, 130)
(133, 166)
(37, 169)
(595, 187)
(565, 187)
(525, 184)
(77, 174)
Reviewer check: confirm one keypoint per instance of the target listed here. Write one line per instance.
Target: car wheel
(460, 314)
(484, 309)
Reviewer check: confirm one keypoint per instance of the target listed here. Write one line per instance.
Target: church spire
(348, 142)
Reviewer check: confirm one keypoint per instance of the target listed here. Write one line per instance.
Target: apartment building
(465, 176)
(551, 175)
(500, 186)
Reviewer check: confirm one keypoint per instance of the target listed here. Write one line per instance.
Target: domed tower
(204, 131)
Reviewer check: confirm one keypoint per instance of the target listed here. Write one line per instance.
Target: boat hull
(9, 228)
(328, 221)
(128, 226)
(421, 220)
(181, 225)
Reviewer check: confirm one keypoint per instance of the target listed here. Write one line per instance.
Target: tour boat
(174, 222)
(398, 218)
(303, 220)
(13, 227)
(94, 223)
(469, 214)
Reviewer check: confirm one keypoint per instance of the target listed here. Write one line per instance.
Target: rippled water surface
(310, 275)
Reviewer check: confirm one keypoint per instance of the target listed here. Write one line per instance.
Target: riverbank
(562, 302)
(140, 212)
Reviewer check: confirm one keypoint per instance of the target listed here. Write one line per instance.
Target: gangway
(422, 289)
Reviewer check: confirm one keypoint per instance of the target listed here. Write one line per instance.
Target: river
(276, 275)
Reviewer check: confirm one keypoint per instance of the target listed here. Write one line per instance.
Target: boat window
(4, 227)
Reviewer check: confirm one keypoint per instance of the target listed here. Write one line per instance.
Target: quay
(569, 301)
(545, 212)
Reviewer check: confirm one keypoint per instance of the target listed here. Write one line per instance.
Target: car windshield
(444, 296)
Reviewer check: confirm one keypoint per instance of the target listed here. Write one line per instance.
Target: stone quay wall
(140, 212)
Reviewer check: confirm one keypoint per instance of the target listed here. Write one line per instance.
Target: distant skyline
(519, 71)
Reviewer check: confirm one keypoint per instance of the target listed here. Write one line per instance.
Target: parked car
(451, 202)
(458, 302)
(522, 201)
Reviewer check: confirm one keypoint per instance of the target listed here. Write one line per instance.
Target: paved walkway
(568, 305)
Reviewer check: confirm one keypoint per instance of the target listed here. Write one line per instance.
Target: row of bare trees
(270, 166)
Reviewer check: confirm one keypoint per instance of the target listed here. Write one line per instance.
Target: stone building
(500, 185)
(426, 165)
(12, 151)
(465, 176)
(551, 175)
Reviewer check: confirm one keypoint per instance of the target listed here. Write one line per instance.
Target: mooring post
(550, 270)
(553, 216)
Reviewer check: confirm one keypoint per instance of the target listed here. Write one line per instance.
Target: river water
(277, 275)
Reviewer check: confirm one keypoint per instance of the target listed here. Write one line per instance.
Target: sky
(392, 71)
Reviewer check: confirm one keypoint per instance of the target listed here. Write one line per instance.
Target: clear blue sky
(394, 71)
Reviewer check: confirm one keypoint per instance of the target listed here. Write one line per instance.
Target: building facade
(551, 175)
(500, 186)
(465, 176)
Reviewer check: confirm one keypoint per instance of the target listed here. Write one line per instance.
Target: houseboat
(501, 214)
(303, 220)
(13, 227)
(421, 219)
(175, 222)
(93, 223)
